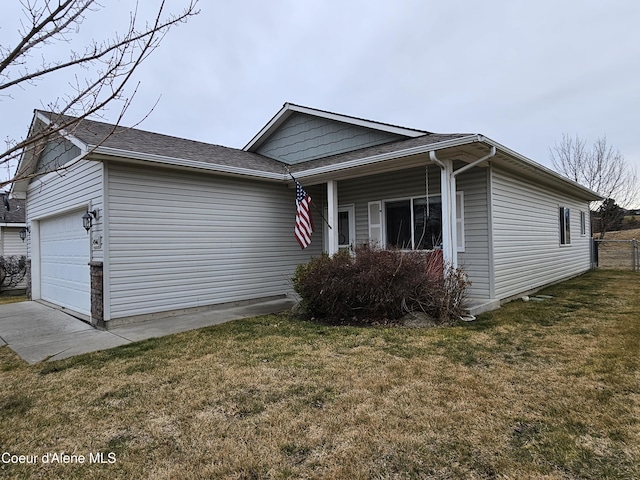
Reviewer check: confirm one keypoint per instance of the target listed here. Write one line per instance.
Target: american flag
(304, 222)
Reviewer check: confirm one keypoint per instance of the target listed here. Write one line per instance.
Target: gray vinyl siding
(73, 188)
(385, 186)
(10, 242)
(475, 260)
(526, 236)
(304, 137)
(56, 154)
(181, 240)
(412, 183)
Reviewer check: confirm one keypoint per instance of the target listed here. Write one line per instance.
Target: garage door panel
(64, 254)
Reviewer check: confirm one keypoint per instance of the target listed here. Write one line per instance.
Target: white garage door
(64, 258)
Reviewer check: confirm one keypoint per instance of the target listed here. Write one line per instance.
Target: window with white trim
(565, 226)
(416, 224)
(583, 223)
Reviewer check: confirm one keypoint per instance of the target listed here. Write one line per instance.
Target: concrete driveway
(37, 332)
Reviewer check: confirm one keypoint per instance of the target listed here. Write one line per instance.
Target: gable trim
(289, 108)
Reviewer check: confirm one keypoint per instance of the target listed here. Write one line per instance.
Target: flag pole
(312, 203)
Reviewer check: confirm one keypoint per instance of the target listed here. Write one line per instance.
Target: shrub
(380, 286)
(12, 270)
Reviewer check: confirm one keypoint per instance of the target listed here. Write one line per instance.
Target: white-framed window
(565, 226)
(413, 223)
(583, 223)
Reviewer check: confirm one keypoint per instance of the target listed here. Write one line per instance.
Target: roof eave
(184, 163)
(396, 154)
(588, 193)
(322, 171)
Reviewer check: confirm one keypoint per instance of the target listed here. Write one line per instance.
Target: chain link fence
(616, 254)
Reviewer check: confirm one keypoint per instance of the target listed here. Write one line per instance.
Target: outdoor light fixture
(23, 233)
(87, 219)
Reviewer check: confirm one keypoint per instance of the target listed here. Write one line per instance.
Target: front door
(346, 226)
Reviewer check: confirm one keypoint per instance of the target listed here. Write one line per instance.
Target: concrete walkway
(38, 333)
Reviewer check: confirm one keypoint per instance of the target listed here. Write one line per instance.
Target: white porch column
(448, 197)
(332, 216)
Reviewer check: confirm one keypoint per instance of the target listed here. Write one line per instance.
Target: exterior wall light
(87, 219)
(23, 233)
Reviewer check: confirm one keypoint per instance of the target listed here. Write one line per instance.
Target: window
(565, 226)
(416, 223)
(583, 223)
(399, 226)
(346, 226)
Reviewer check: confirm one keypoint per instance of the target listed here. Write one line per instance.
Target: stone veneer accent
(97, 294)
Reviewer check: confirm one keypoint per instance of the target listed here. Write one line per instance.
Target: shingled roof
(125, 139)
(16, 214)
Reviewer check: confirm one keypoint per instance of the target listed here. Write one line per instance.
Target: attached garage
(64, 259)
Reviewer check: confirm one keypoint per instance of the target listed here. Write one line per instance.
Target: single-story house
(177, 224)
(12, 226)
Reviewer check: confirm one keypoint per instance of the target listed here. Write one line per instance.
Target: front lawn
(545, 389)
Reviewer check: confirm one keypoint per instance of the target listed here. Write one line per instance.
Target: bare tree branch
(602, 168)
(109, 65)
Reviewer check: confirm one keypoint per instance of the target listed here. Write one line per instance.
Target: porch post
(332, 216)
(448, 198)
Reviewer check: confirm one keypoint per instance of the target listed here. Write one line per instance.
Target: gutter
(448, 191)
(542, 168)
(173, 161)
(407, 152)
(475, 163)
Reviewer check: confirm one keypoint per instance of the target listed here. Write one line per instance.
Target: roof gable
(303, 137)
(16, 211)
(341, 133)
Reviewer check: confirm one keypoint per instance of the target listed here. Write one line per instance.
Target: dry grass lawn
(537, 390)
(4, 299)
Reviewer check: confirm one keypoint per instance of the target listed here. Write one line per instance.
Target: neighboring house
(179, 224)
(12, 221)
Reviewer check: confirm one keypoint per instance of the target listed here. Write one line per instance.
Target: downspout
(448, 197)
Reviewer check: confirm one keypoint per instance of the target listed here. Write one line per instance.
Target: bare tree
(98, 74)
(602, 168)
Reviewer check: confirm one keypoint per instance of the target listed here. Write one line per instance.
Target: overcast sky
(520, 72)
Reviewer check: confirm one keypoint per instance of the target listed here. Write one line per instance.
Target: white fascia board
(408, 132)
(407, 152)
(288, 108)
(544, 170)
(179, 162)
(15, 225)
(69, 136)
(21, 186)
(268, 129)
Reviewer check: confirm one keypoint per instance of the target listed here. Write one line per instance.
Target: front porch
(405, 208)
